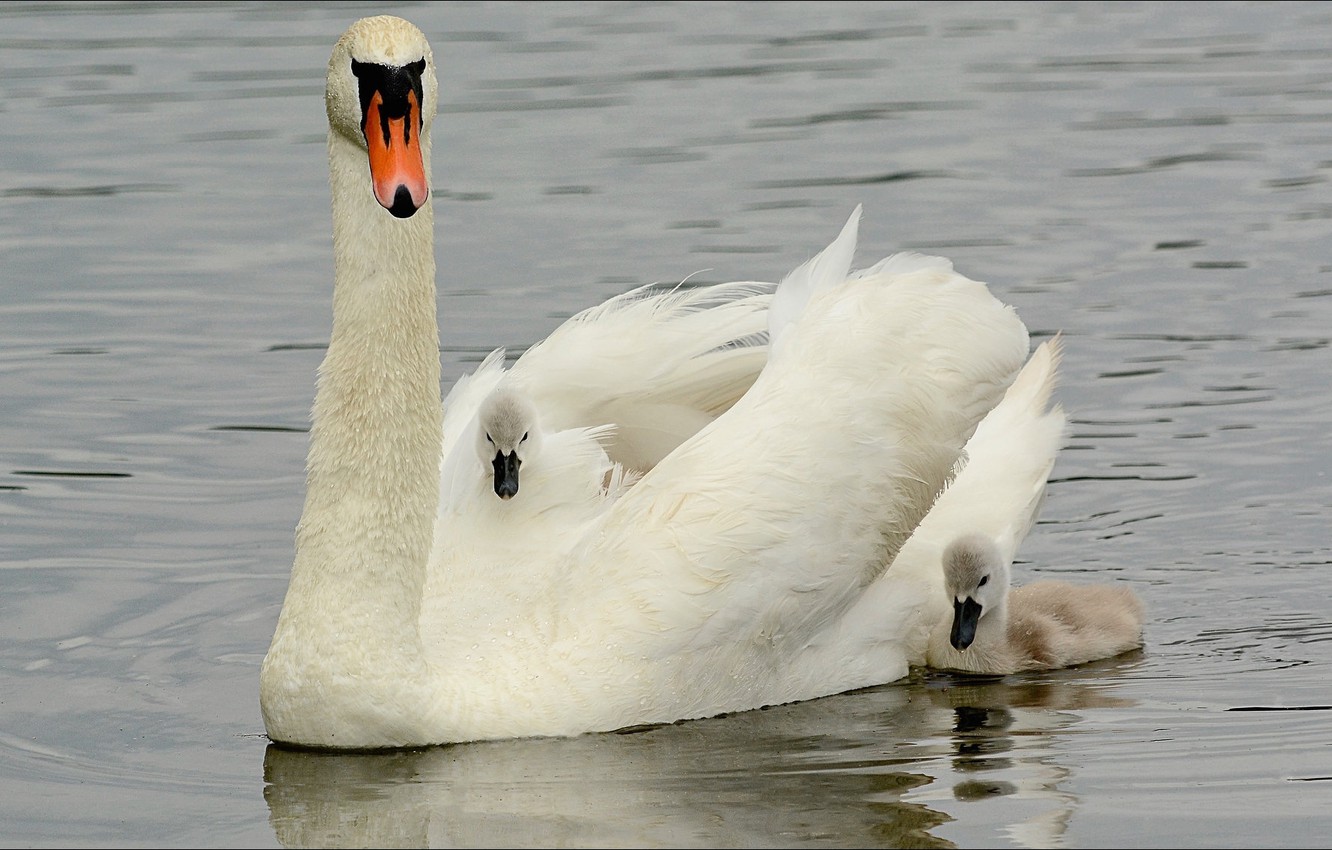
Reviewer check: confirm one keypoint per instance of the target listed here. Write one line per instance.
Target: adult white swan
(726, 577)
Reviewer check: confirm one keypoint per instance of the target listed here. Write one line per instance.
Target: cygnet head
(976, 579)
(508, 434)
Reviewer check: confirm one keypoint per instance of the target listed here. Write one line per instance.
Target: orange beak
(397, 170)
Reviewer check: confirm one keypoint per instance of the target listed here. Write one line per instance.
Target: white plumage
(749, 564)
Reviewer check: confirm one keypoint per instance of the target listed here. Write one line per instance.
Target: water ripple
(868, 180)
(87, 191)
(1160, 163)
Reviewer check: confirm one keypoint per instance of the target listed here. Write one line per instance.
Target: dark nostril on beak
(403, 206)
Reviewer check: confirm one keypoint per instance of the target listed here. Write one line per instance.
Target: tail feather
(829, 267)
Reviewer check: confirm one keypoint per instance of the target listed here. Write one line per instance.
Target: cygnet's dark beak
(506, 474)
(965, 616)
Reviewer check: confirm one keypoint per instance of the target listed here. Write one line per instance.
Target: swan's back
(497, 565)
(741, 553)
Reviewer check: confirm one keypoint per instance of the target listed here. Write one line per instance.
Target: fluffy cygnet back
(1038, 626)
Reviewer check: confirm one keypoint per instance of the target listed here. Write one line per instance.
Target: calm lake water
(1152, 179)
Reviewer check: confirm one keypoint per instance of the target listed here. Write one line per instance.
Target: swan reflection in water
(882, 767)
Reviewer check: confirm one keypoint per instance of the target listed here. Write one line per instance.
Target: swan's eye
(984, 580)
(489, 439)
(524, 439)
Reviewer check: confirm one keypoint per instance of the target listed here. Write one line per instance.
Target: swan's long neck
(372, 477)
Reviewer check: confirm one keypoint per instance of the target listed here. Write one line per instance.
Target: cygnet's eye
(983, 581)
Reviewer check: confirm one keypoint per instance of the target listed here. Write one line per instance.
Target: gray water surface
(1151, 179)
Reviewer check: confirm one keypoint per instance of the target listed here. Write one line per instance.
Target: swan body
(749, 565)
(1039, 626)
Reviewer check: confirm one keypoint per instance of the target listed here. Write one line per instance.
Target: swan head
(508, 434)
(382, 95)
(976, 580)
